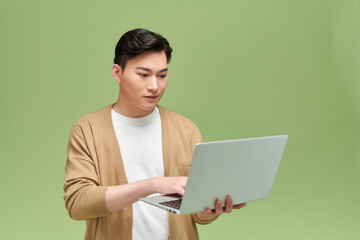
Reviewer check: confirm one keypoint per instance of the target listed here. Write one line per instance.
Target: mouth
(151, 98)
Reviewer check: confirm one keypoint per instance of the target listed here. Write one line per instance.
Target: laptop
(245, 169)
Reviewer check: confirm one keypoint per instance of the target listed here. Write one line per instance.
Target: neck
(127, 110)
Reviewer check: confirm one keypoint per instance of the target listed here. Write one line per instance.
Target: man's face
(142, 83)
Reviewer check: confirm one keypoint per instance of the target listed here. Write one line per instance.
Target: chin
(149, 107)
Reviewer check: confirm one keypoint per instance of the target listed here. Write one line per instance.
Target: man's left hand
(209, 214)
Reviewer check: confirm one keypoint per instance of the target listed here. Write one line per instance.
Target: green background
(240, 69)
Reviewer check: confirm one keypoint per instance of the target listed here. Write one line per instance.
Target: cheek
(134, 87)
(163, 85)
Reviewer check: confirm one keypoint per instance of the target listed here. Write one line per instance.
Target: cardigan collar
(166, 148)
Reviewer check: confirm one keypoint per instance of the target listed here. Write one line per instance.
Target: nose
(153, 85)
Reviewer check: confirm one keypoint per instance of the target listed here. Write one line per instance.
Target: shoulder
(177, 120)
(180, 130)
(179, 126)
(98, 117)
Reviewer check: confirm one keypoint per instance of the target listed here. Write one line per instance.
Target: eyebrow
(149, 70)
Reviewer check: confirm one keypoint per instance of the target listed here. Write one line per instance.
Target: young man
(132, 149)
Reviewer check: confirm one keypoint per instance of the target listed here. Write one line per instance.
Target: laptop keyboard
(173, 204)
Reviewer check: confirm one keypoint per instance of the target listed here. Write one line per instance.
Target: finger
(238, 206)
(184, 181)
(218, 207)
(207, 211)
(181, 191)
(228, 204)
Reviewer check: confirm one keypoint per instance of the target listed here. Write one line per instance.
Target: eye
(162, 76)
(143, 74)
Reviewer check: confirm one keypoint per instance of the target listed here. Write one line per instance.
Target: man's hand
(209, 214)
(168, 185)
(118, 197)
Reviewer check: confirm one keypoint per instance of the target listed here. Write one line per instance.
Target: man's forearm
(118, 197)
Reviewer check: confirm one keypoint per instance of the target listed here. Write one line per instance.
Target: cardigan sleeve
(202, 222)
(84, 198)
(194, 139)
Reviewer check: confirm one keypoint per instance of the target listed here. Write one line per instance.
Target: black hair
(137, 41)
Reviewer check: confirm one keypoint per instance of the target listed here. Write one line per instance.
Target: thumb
(180, 191)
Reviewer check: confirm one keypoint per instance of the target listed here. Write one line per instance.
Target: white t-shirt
(141, 150)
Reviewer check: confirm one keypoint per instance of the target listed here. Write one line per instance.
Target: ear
(116, 72)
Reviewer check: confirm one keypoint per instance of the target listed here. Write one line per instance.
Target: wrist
(153, 186)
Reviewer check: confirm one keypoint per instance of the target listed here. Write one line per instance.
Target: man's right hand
(168, 185)
(118, 197)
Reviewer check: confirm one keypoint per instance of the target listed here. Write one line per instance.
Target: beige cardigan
(94, 163)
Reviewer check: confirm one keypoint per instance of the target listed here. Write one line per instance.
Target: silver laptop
(245, 169)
